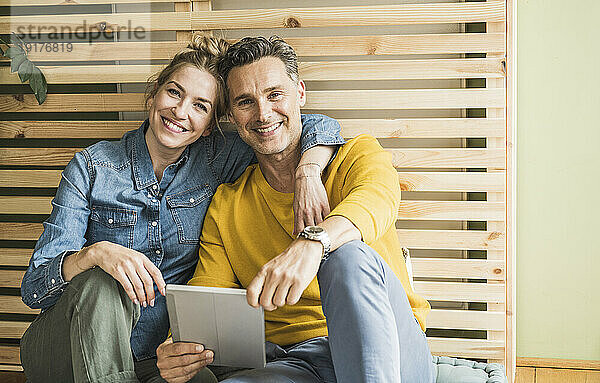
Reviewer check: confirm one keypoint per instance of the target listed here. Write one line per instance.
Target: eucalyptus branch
(26, 69)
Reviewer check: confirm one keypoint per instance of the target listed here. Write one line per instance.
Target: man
(339, 305)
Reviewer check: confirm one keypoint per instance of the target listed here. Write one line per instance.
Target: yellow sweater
(248, 223)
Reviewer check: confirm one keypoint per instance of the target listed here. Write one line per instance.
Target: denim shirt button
(154, 223)
(154, 187)
(110, 220)
(53, 281)
(157, 251)
(34, 296)
(192, 200)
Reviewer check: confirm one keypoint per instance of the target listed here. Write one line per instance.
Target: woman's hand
(134, 271)
(311, 204)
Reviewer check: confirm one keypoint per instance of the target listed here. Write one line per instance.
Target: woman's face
(182, 110)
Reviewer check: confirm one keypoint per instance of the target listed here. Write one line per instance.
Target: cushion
(451, 370)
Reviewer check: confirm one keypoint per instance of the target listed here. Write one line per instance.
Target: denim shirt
(109, 192)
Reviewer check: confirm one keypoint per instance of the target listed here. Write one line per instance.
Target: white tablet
(220, 319)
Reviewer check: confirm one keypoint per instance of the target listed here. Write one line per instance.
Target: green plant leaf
(16, 62)
(14, 51)
(25, 70)
(1, 51)
(38, 84)
(19, 42)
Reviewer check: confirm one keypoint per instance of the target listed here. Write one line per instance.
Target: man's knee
(351, 258)
(95, 286)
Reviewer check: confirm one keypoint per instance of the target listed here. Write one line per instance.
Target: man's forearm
(340, 231)
(315, 159)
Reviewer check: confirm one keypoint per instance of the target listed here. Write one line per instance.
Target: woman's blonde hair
(203, 52)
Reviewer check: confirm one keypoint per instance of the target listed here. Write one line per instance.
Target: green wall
(558, 170)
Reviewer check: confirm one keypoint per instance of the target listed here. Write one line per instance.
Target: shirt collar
(143, 172)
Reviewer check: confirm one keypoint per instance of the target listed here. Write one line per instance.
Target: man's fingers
(254, 289)
(272, 281)
(281, 294)
(294, 294)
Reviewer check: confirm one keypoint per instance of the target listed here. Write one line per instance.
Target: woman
(126, 220)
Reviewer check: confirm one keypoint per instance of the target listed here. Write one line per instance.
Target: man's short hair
(251, 49)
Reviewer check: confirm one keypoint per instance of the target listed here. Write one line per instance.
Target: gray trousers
(85, 337)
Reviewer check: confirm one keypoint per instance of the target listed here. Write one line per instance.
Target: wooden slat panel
(465, 320)
(10, 355)
(11, 367)
(458, 268)
(422, 127)
(448, 158)
(29, 178)
(313, 46)
(451, 210)
(12, 330)
(14, 305)
(16, 3)
(18, 231)
(94, 23)
(11, 278)
(14, 257)
(344, 16)
(380, 128)
(309, 71)
(335, 99)
(461, 292)
(452, 239)
(451, 181)
(37, 156)
(467, 348)
(66, 129)
(25, 205)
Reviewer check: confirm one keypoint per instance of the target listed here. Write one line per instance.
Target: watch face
(313, 230)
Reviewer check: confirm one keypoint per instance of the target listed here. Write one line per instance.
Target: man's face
(265, 105)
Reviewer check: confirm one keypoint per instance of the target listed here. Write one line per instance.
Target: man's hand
(180, 362)
(134, 271)
(311, 204)
(283, 279)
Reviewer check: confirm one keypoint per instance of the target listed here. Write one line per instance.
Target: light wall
(558, 186)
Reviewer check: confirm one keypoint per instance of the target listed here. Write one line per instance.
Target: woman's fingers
(156, 275)
(120, 276)
(138, 285)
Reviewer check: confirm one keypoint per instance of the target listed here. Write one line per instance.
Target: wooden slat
(577, 364)
(335, 99)
(409, 181)
(466, 348)
(447, 158)
(460, 292)
(11, 278)
(95, 23)
(449, 210)
(458, 268)
(413, 210)
(313, 46)
(16, 3)
(401, 158)
(553, 375)
(423, 127)
(18, 231)
(380, 128)
(452, 239)
(405, 99)
(14, 305)
(66, 129)
(37, 156)
(14, 257)
(11, 367)
(451, 181)
(29, 178)
(465, 320)
(345, 16)
(10, 355)
(12, 330)
(309, 71)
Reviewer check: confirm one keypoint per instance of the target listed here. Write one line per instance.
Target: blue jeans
(373, 334)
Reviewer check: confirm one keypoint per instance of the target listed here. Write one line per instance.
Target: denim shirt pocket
(112, 224)
(188, 208)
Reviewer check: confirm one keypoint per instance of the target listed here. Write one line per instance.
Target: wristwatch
(317, 233)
